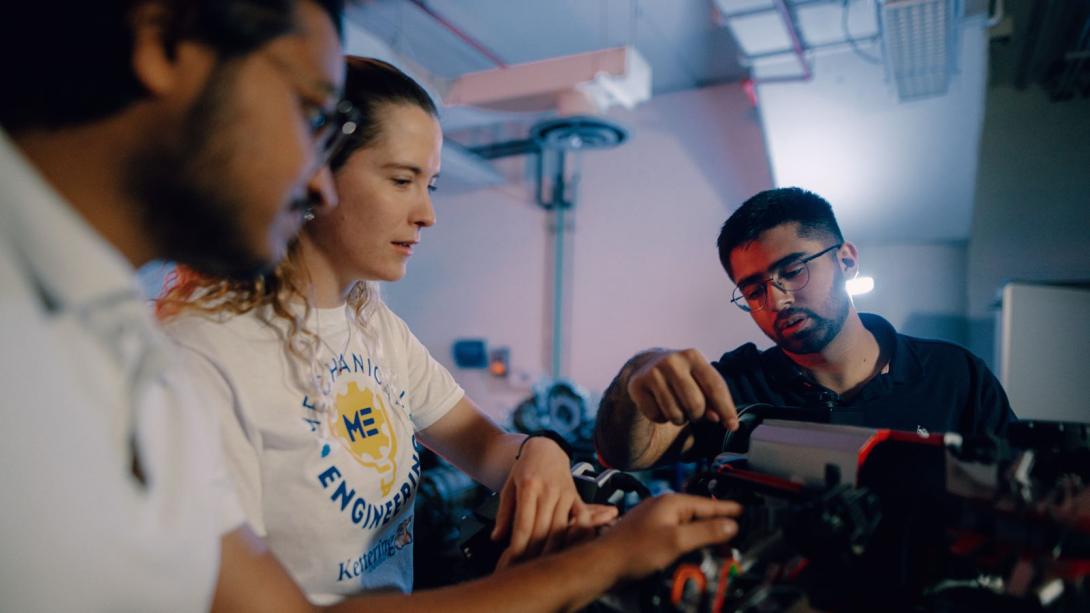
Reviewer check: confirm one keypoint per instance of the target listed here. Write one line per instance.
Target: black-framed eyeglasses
(790, 277)
(332, 129)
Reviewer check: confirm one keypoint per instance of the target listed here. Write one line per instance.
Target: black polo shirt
(930, 385)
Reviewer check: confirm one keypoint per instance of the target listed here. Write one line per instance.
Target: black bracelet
(555, 437)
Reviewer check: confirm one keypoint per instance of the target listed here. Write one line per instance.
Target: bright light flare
(859, 285)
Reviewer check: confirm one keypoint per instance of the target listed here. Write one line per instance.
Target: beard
(193, 208)
(822, 330)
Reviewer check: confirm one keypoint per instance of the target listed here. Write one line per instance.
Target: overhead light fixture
(859, 285)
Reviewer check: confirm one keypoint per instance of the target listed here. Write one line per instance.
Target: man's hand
(680, 387)
(659, 530)
(539, 505)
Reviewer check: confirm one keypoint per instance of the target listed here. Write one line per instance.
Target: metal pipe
(796, 43)
(796, 48)
(823, 47)
(1073, 63)
(466, 38)
(559, 207)
(558, 290)
(1036, 19)
(997, 16)
(765, 9)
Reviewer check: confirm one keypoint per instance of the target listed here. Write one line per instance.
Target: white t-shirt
(88, 383)
(337, 513)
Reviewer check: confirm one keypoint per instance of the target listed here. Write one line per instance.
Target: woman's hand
(540, 509)
(539, 505)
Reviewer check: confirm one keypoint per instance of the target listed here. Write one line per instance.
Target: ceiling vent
(920, 41)
(917, 41)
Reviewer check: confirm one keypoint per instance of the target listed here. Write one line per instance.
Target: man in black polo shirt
(784, 250)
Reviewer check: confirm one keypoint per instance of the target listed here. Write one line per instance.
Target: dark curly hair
(69, 62)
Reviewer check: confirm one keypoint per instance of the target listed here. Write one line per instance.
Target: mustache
(791, 313)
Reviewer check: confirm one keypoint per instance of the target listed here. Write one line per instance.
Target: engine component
(558, 405)
(841, 518)
(608, 487)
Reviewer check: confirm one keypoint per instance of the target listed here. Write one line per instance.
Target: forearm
(474, 443)
(495, 457)
(251, 579)
(565, 581)
(498, 452)
(624, 437)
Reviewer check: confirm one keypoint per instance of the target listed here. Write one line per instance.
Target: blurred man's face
(226, 190)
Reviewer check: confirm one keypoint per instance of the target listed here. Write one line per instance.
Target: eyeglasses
(790, 277)
(330, 128)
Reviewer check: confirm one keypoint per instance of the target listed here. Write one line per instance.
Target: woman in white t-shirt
(323, 390)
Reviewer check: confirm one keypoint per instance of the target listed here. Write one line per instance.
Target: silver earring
(308, 214)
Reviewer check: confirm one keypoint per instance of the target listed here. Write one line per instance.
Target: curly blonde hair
(282, 291)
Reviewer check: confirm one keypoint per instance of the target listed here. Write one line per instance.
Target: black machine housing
(843, 518)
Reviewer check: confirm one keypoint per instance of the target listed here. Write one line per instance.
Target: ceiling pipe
(835, 45)
(796, 46)
(723, 17)
(1028, 53)
(997, 15)
(466, 38)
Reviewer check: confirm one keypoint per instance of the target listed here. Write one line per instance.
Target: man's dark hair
(70, 62)
(370, 85)
(775, 207)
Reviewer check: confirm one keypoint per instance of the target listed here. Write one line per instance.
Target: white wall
(894, 171)
(645, 265)
(1031, 219)
(919, 288)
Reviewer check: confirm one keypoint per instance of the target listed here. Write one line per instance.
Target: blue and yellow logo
(362, 424)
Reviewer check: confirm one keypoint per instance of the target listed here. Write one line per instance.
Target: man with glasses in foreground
(179, 130)
(195, 131)
(784, 250)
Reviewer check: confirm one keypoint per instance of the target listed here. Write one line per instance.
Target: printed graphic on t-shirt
(361, 420)
(372, 478)
(363, 426)
(374, 557)
(364, 513)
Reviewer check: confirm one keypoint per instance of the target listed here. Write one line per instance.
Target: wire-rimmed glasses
(752, 295)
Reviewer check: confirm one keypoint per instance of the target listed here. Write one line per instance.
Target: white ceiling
(679, 38)
(901, 172)
(894, 171)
